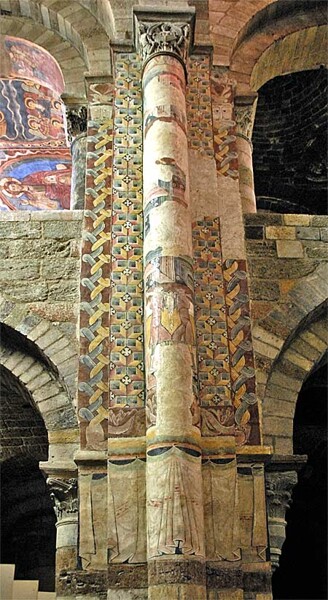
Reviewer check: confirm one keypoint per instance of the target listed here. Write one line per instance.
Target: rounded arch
(42, 362)
(52, 343)
(272, 23)
(288, 343)
(273, 63)
(292, 368)
(47, 393)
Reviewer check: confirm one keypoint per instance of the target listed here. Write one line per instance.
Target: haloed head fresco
(35, 181)
(35, 162)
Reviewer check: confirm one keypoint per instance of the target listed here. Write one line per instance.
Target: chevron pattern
(241, 352)
(95, 277)
(224, 138)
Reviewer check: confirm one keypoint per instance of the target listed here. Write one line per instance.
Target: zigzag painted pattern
(95, 281)
(224, 151)
(241, 350)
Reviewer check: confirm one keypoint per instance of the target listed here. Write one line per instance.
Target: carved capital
(64, 495)
(164, 33)
(245, 109)
(76, 117)
(279, 488)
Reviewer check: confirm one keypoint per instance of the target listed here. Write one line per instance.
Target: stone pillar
(245, 107)
(64, 495)
(175, 530)
(77, 134)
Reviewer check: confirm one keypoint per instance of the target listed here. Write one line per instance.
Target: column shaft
(174, 485)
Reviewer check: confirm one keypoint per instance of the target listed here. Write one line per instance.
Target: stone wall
(40, 264)
(287, 258)
(281, 249)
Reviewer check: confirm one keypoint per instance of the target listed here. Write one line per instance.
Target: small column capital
(76, 117)
(165, 32)
(64, 495)
(279, 487)
(245, 109)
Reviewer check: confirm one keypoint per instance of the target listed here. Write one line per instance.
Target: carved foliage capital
(245, 116)
(279, 488)
(76, 117)
(164, 37)
(64, 495)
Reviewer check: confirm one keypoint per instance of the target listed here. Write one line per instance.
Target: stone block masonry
(281, 250)
(40, 264)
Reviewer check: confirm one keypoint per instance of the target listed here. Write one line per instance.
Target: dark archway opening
(28, 536)
(290, 144)
(302, 574)
(28, 532)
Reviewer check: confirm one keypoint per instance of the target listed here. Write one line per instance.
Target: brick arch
(288, 343)
(48, 394)
(44, 364)
(289, 373)
(272, 23)
(273, 63)
(44, 341)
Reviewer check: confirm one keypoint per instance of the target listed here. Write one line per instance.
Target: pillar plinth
(175, 535)
(245, 108)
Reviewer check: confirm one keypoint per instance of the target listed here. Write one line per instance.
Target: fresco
(30, 114)
(34, 180)
(21, 59)
(35, 161)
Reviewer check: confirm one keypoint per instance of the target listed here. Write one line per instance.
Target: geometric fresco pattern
(126, 304)
(211, 326)
(199, 110)
(224, 124)
(241, 351)
(95, 265)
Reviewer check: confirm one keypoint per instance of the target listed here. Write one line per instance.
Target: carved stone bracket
(76, 117)
(64, 495)
(280, 480)
(171, 33)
